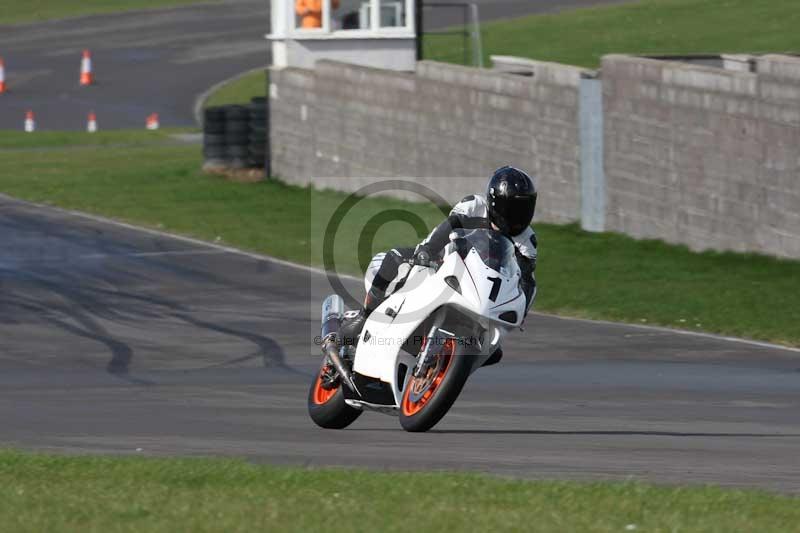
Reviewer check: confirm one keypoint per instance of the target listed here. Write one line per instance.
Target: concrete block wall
(779, 91)
(446, 126)
(530, 122)
(690, 154)
(292, 99)
(704, 156)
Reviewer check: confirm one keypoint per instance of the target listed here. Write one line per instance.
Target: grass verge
(239, 90)
(603, 276)
(583, 36)
(13, 140)
(15, 12)
(56, 493)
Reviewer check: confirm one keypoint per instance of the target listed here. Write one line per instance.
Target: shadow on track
(609, 433)
(600, 433)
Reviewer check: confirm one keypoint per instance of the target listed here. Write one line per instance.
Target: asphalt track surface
(158, 61)
(116, 340)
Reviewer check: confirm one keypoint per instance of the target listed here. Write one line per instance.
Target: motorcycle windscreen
(495, 250)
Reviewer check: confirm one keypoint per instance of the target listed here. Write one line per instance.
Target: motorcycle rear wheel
(427, 399)
(326, 406)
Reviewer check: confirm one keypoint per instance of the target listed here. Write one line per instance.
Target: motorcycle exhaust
(332, 314)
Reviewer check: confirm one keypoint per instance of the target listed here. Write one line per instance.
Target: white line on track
(662, 329)
(200, 99)
(174, 236)
(151, 254)
(260, 257)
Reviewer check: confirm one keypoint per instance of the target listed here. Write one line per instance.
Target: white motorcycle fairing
(464, 286)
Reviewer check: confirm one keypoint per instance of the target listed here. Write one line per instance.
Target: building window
(367, 16)
(357, 14)
(310, 14)
(393, 14)
(349, 16)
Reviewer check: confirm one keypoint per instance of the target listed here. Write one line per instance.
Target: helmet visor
(517, 213)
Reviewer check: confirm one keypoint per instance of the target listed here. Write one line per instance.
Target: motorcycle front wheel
(427, 399)
(326, 405)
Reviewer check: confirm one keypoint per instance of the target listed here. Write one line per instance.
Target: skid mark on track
(59, 282)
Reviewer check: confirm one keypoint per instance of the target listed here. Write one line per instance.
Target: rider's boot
(354, 321)
(494, 358)
(352, 324)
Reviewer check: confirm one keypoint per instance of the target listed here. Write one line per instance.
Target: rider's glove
(422, 256)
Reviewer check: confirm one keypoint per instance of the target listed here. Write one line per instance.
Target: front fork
(434, 340)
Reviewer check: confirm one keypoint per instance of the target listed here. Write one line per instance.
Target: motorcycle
(419, 347)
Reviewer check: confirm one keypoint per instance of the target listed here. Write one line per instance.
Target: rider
(508, 207)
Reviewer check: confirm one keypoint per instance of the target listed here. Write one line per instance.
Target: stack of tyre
(214, 152)
(235, 136)
(258, 132)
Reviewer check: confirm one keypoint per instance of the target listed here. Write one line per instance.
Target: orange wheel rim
(321, 394)
(411, 407)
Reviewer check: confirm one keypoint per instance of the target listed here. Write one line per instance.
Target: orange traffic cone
(30, 123)
(2, 76)
(91, 122)
(87, 78)
(152, 122)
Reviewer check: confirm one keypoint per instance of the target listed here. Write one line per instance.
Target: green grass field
(239, 90)
(583, 36)
(44, 140)
(104, 494)
(15, 11)
(603, 276)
